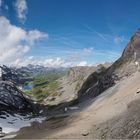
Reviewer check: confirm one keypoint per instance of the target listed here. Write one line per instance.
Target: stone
(85, 133)
(138, 92)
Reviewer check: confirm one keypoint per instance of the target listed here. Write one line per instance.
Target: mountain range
(93, 102)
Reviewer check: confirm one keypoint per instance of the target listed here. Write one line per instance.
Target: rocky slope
(133, 48)
(12, 99)
(17, 109)
(126, 65)
(113, 114)
(113, 96)
(14, 75)
(71, 83)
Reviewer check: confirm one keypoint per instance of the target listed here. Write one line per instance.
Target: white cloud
(21, 8)
(106, 56)
(0, 3)
(34, 35)
(53, 62)
(118, 39)
(80, 54)
(88, 51)
(15, 42)
(83, 63)
(100, 35)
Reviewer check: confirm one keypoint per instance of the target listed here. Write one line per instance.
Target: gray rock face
(11, 98)
(14, 75)
(133, 47)
(9, 74)
(95, 84)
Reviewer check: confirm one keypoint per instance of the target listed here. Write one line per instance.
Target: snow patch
(136, 63)
(14, 123)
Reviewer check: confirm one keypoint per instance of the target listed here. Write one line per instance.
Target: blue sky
(90, 31)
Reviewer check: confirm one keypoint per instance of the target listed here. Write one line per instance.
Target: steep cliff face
(133, 47)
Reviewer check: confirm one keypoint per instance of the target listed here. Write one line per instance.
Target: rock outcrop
(8, 74)
(133, 47)
(14, 75)
(12, 99)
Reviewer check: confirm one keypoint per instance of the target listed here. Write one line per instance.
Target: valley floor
(114, 114)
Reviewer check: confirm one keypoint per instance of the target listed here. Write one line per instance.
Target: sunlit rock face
(133, 47)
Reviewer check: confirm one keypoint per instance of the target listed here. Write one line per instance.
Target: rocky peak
(133, 47)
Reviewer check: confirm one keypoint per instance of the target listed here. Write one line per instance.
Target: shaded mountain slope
(71, 83)
(98, 82)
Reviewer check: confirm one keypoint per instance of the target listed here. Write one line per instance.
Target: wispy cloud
(83, 63)
(67, 41)
(80, 54)
(88, 51)
(76, 58)
(52, 62)
(108, 38)
(107, 53)
(101, 35)
(106, 56)
(0, 3)
(21, 8)
(35, 35)
(118, 39)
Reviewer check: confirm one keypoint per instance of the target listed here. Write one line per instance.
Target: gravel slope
(114, 114)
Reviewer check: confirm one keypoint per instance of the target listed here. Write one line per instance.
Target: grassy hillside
(43, 86)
